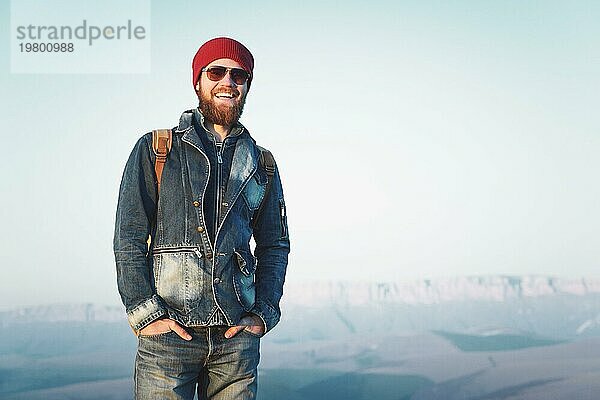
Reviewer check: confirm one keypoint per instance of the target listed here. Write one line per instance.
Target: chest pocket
(254, 192)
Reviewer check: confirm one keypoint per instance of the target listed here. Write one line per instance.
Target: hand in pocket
(163, 326)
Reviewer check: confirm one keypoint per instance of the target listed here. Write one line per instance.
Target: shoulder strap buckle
(162, 140)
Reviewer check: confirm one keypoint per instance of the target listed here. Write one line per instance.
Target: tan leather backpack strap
(161, 145)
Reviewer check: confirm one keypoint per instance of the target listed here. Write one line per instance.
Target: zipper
(283, 218)
(218, 188)
(234, 199)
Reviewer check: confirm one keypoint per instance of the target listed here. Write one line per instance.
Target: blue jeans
(169, 367)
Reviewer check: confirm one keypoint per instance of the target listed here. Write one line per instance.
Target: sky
(415, 139)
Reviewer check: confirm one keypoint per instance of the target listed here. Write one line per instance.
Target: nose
(227, 79)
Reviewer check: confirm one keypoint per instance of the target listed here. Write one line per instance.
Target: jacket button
(196, 203)
(200, 229)
(209, 256)
(225, 204)
(217, 281)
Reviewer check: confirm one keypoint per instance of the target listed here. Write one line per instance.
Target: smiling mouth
(224, 95)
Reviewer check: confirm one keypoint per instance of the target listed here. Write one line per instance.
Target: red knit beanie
(222, 47)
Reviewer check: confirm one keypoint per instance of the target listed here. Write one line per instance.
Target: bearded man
(197, 297)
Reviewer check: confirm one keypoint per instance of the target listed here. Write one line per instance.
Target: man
(196, 296)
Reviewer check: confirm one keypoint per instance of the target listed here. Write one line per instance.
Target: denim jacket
(181, 274)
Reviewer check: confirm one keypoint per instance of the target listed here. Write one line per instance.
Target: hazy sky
(415, 140)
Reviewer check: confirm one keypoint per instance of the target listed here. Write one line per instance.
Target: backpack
(161, 145)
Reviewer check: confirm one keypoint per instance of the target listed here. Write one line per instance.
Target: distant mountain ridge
(86, 312)
(546, 306)
(496, 288)
(436, 291)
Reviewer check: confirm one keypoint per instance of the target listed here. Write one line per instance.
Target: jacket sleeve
(272, 249)
(136, 211)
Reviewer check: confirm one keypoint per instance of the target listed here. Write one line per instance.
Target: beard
(220, 114)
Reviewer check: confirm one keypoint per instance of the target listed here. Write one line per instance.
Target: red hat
(222, 47)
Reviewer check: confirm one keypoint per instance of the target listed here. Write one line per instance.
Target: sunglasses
(216, 73)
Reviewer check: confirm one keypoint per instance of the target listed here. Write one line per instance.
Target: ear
(197, 85)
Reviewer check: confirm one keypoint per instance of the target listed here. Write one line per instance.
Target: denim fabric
(168, 367)
(220, 157)
(184, 275)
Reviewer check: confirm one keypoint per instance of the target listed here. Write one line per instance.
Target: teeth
(227, 95)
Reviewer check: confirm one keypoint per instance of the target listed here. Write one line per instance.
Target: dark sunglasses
(216, 73)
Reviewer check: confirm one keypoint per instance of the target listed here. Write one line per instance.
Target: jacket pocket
(178, 279)
(243, 278)
(254, 192)
(245, 261)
